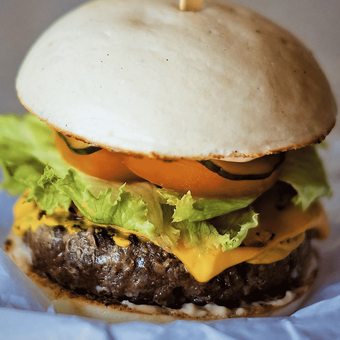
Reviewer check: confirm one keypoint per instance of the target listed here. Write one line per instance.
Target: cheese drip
(286, 229)
(28, 216)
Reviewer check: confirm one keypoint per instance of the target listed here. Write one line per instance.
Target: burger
(169, 169)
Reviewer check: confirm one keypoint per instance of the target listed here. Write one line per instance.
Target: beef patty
(90, 262)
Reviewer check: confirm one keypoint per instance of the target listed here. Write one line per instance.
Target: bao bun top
(144, 77)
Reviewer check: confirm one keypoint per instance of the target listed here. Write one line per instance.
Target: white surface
(317, 23)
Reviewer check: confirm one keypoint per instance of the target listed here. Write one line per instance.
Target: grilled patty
(91, 263)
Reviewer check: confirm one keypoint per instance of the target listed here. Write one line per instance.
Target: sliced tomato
(178, 175)
(184, 175)
(102, 164)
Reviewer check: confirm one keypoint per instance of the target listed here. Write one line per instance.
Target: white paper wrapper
(26, 314)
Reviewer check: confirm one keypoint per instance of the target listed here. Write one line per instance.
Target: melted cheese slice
(287, 229)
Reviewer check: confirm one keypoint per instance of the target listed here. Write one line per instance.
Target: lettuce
(303, 170)
(200, 209)
(237, 226)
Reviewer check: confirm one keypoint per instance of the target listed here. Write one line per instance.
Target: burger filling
(149, 230)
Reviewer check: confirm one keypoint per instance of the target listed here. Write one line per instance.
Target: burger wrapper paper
(26, 313)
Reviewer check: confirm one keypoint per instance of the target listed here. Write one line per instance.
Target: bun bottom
(67, 302)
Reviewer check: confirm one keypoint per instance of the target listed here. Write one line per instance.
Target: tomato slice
(184, 175)
(102, 164)
(178, 175)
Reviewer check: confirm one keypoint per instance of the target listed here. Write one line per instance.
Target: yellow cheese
(29, 216)
(279, 251)
(121, 241)
(286, 227)
(286, 224)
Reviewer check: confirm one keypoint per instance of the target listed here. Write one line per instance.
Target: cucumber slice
(81, 151)
(210, 165)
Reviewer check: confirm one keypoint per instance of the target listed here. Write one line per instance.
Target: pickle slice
(210, 165)
(80, 151)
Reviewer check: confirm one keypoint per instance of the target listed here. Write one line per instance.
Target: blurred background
(315, 22)
(21, 22)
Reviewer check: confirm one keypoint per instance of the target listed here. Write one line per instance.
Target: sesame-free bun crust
(66, 302)
(144, 77)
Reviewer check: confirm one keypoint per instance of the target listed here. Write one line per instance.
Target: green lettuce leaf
(200, 209)
(303, 170)
(238, 224)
